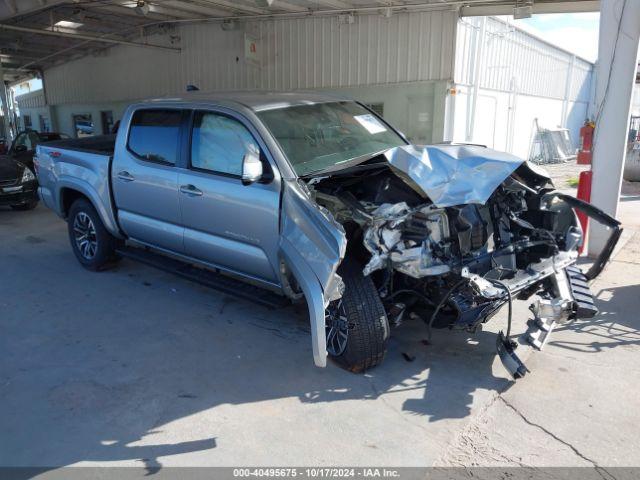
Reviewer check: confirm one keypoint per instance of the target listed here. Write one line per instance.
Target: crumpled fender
(312, 245)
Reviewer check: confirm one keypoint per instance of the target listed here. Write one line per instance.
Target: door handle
(125, 176)
(190, 190)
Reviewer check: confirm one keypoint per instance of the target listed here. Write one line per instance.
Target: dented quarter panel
(312, 245)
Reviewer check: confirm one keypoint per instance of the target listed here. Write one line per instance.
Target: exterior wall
(304, 53)
(520, 78)
(398, 61)
(34, 105)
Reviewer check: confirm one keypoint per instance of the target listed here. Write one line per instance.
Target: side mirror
(20, 149)
(252, 169)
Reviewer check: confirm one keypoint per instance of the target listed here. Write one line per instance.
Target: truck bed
(80, 166)
(102, 144)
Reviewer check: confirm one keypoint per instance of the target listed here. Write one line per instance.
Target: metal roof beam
(539, 6)
(335, 4)
(199, 7)
(12, 8)
(156, 14)
(79, 36)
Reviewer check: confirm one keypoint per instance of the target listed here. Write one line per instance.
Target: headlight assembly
(27, 176)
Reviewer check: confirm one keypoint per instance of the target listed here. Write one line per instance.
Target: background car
(24, 146)
(18, 184)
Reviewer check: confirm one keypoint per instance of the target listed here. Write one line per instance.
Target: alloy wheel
(337, 328)
(85, 235)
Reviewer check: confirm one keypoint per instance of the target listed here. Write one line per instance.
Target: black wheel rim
(337, 328)
(84, 232)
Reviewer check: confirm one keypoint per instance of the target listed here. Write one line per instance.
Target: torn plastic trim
(451, 175)
(603, 218)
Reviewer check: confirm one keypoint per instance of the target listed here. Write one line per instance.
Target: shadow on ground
(92, 366)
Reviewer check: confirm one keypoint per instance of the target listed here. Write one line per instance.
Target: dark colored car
(24, 146)
(18, 184)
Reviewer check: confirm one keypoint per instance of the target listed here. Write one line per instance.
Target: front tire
(92, 244)
(356, 325)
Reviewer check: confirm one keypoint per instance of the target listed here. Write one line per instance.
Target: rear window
(154, 134)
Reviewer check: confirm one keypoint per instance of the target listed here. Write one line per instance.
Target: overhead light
(523, 9)
(227, 25)
(68, 24)
(386, 12)
(522, 12)
(264, 3)
(142, 8)
(347, 19)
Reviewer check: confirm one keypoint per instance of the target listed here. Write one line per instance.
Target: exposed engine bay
(455, 265)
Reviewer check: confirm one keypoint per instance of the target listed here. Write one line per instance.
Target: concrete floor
(137, 367)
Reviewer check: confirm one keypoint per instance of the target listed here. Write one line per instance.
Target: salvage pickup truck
(318, 198)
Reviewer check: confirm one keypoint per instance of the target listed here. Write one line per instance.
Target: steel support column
(5, 105)
(615, 77)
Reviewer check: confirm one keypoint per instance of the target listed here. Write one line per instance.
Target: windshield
(318, 137)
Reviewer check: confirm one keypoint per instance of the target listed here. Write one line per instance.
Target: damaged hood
(453, 174)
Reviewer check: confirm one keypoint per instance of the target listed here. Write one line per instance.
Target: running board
(217, 281)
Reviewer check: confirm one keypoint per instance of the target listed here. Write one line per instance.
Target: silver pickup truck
(317, 198)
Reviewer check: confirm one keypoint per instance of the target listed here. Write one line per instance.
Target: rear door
(145, 178)
(228, 224)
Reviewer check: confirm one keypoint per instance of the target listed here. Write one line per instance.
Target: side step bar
(218, 281)
(584, 306)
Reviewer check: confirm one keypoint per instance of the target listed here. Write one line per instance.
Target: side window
(154, 135)
(33, 140)
(219, 143)
(21, 140)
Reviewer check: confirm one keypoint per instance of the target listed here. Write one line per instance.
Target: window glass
(21, 140)
(33, 141)
(323, 136)
(154, 135)
(219, 143)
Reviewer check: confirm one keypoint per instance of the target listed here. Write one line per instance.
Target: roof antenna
(192, 88)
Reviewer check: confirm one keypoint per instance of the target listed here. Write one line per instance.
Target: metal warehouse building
(439, 70)
(433, 73)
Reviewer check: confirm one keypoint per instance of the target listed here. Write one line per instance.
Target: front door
(228, 224)
(24, 147)
(145, 179)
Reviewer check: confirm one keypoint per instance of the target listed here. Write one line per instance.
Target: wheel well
(68, 196)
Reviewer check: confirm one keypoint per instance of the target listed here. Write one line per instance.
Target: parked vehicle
(24, 146)
(319, 198)
(18, 185)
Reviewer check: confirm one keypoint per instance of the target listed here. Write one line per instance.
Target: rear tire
(25, 206)
(361, 316)
(92, 244)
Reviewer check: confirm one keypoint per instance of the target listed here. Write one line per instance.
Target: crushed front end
(450, 234)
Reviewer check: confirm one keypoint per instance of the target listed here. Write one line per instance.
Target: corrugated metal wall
(301, 53)
(513, 59)
(31, 100)
(521, 79)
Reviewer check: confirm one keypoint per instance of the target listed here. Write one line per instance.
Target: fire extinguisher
(586, 143)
